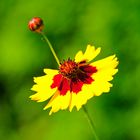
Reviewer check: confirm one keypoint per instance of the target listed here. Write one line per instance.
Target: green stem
(90, 122)
(51, 47)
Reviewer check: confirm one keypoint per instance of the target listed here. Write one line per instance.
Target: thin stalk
(92, 126)
(51, 47)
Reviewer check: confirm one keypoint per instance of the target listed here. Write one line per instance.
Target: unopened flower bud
(36, 24)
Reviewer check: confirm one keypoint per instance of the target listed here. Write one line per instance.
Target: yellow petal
(42, 86)
(58, 102)
(81, 97)
(105, 71)
(79, 56)
(89, 54)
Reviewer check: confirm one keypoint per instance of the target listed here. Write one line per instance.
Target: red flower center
(72, 76)
(69, 69)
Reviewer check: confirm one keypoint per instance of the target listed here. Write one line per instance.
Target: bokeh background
(70, 26)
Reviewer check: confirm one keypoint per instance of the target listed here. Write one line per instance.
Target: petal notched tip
(34, 97)
(46, 107)
(89, 54)
(35, 79)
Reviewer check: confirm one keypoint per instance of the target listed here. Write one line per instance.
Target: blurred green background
(70, 26)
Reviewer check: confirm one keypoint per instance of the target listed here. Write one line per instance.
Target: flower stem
(90, 122)
(51, 47)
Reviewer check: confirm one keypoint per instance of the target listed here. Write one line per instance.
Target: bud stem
(51, 47)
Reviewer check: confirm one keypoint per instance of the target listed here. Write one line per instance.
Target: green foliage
(70, 26)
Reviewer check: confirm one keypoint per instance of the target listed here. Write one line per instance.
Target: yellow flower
(76, 81)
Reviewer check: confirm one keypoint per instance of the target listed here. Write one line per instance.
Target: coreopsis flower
(76, 81)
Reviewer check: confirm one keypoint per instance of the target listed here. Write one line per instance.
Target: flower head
(76, 81)
(36, 24)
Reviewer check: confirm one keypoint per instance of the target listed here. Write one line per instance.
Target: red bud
(36, 24)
